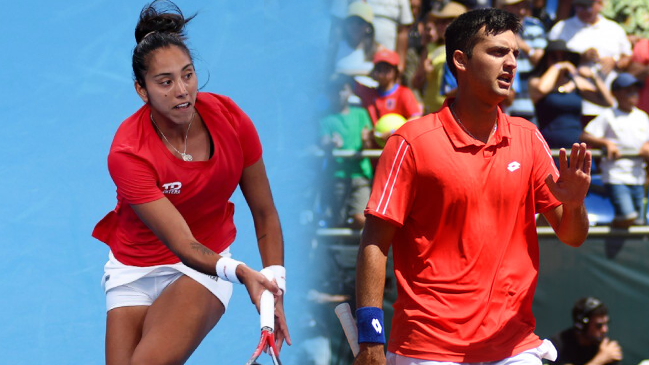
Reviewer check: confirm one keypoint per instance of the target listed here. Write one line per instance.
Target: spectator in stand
(624, 129)
(557, 88)
(355, 45)
(448, 88)
(640, 69)
(560, 9)
(531, 42)
(540, 11)
(431, 68)
(347, 128)
(389, 96)
(415, 45)
(587, 342)
(429, 41)
(392, 21)
(602, 44)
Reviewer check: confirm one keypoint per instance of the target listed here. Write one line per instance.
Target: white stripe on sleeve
(538, 135)
(392, 176)
(395, 179)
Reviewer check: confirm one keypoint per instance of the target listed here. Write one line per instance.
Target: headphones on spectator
(582, 311)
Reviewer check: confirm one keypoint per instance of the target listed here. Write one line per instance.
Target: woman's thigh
(176, 323)
(123, 333)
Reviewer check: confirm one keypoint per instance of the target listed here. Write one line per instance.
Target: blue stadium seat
(599, 207)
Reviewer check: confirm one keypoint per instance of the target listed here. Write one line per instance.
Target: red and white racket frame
(267, 324)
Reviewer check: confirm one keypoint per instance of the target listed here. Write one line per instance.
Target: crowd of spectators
(570, 54)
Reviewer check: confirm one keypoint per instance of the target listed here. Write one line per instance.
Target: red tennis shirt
(466, 253)
(399, 100)
(144, 170)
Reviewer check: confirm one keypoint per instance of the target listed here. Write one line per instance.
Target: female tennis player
(175, 163)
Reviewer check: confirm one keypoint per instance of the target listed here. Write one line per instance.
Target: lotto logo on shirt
(172, 188)
(513, 166)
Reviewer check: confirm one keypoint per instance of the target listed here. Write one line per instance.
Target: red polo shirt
(144, 170)
(466, 252)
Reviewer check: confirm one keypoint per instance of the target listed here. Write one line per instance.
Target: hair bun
(160, 16)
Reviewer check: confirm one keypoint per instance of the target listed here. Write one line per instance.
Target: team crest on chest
(390, 104)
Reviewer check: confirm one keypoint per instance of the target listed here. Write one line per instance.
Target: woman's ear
(141, 91)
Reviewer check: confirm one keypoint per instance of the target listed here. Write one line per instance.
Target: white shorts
(127, 286)
(529, 357)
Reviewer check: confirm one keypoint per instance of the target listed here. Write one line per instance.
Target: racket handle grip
(344, 313)
(267, 305)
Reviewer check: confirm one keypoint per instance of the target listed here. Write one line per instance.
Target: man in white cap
(352, 44)
(392, 21)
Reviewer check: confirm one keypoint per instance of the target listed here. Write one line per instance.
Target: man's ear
(141, 91)
(460, 60)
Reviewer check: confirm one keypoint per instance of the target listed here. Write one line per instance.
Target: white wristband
(226, 269)
(279, 272)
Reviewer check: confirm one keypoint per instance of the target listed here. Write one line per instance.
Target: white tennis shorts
(529, 357)
(128, 286)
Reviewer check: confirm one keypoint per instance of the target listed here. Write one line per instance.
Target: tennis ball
(387, 123)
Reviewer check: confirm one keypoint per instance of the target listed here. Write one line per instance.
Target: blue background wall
(66, 85)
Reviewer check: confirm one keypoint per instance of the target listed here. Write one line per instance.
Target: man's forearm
(370, 276)
(573, 227)
(370, 281)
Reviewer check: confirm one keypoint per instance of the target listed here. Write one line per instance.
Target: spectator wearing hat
(418, 38)
(622, 130)
(546, 12)
(347, 127)
(557, 87)
(531, 43)
(430, 73)
(602, 43)
(587, 342)
(354, 44)
(388, 96)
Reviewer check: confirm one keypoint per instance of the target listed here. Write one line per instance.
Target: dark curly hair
(463, 33)
(161, 24)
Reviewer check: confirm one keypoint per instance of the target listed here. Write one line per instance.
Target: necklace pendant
(186, 157)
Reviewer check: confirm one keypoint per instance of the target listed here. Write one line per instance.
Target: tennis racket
(267, 322)
(344, 313)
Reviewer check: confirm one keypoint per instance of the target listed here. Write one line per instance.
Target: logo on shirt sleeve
(513, 166)
(172, 188)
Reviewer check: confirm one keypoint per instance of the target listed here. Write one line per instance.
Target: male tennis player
(456, 194)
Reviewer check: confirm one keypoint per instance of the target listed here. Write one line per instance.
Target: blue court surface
(66, 86)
